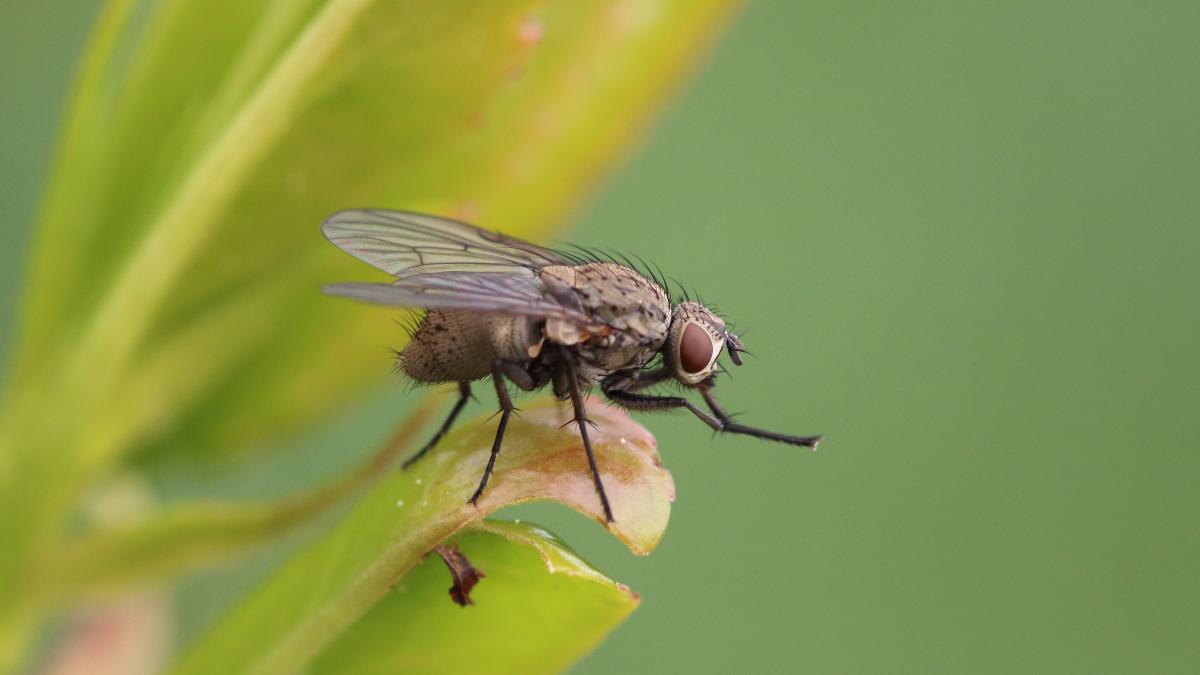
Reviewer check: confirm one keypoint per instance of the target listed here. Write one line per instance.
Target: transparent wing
(477, 291)
(405, 244)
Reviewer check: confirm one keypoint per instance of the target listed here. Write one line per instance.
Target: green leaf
(334, 582)
(538, 609)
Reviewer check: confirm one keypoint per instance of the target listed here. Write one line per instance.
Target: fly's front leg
(617, 390)
(464, 393)
(643, 379)
(622, 391)
(729, 425)
(582, 420)
(506, 410)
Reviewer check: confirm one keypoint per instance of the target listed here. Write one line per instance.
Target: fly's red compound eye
(695, 349)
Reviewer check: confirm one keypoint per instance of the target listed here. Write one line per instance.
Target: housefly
(501, 307)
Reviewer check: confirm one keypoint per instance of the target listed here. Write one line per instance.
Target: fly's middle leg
(464, 393)
(506, 411)
(582, 420)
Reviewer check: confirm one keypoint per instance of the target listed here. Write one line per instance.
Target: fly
(503, 308)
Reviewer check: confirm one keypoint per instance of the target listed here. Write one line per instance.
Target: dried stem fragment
(462, 573)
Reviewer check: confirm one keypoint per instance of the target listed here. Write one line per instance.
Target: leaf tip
(543, 461)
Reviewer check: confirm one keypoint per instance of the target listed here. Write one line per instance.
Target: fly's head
(695, 340)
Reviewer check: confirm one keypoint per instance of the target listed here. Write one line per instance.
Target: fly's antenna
(735, 346)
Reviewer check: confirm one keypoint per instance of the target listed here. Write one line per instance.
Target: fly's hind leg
(464, 393)
(523, 379)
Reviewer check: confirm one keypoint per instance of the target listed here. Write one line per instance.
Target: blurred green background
(962, 239)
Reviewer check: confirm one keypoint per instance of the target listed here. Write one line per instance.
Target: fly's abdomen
(460, 346)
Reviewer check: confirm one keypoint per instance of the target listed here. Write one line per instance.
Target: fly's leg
(582, 420)
(617, 391)
(733, 427)
(506, 410)
(644, 403)
(464, 393)
(517, 374)
(644, 379)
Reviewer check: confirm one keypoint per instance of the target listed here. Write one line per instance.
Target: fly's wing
(406, 244)
(496, 292)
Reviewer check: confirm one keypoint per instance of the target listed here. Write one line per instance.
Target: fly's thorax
(619, 298)
(616, 351)
(631, 315)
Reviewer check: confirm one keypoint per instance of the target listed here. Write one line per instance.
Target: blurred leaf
(127, 636)
(182, 537)
(539, 609)
(331, 584)
(210, 139)
(130, 634)
(173, 303)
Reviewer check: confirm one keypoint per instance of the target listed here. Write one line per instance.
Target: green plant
(172, 306)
